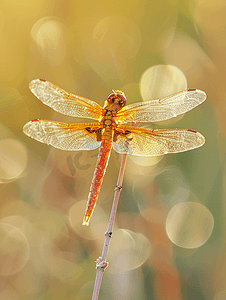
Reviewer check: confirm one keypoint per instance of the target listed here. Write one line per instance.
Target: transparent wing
(64, 102)
(161, 109)
(154, 142)
(64, 136)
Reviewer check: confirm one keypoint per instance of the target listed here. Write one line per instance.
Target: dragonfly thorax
(107, 122)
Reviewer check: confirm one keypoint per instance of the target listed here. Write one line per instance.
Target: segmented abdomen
(101, 165)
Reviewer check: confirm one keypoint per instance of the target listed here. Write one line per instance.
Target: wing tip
(200, 92)
(32, 85)
(200, 138)
(34, 82)
(27, 127)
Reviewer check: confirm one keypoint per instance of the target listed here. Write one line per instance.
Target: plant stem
(101, 267)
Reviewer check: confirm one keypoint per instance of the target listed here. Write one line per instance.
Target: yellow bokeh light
(48, 225)
(14, 249)
(51, 37)
(160, 81)
(189, 57)
(189, 224)
(13, 159)
(128, 251)
(146, 160)
(114, 43)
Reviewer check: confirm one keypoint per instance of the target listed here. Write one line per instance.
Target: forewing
(154, 142)
(161, 109)
(64, 136)
(64, 102)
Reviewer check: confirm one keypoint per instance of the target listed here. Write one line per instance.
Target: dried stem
(101, 263)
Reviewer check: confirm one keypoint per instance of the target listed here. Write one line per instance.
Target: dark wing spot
(88, 129)
(127, 132)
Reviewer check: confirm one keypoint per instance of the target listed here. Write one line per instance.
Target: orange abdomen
(98, 175)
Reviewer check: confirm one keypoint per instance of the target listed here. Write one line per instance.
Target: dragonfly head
(116, 99)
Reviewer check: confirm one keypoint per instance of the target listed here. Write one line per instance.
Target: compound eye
(111, 98)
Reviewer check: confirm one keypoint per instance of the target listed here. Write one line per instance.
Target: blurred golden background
(169, 235)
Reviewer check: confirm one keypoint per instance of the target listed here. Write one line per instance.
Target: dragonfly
(112, 130)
